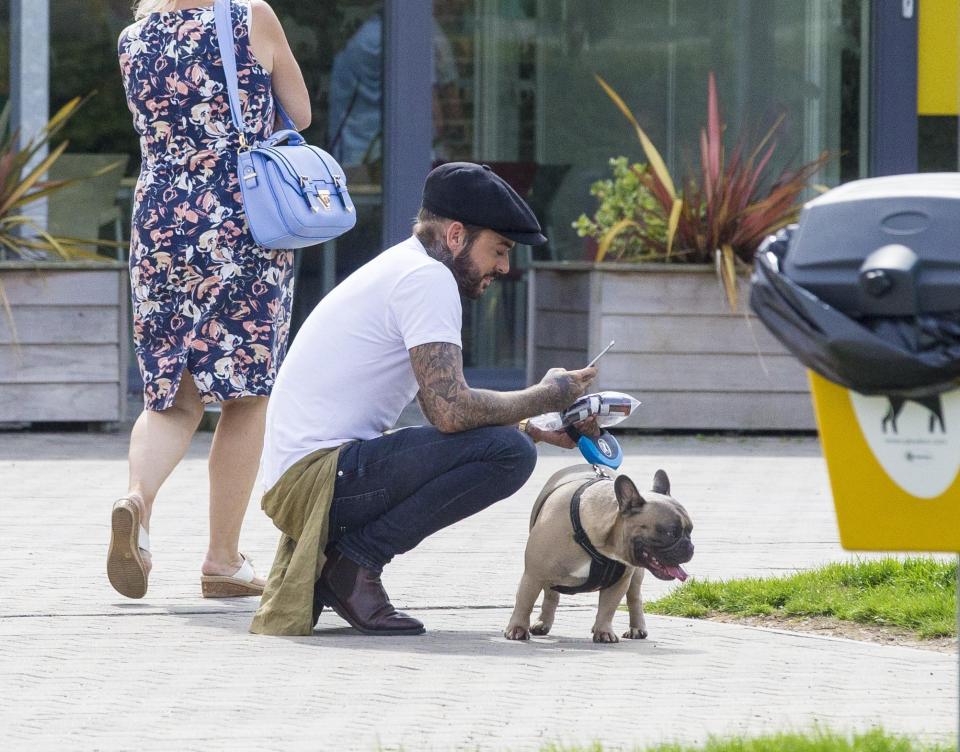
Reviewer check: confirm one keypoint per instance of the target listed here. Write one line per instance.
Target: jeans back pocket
(349, 513)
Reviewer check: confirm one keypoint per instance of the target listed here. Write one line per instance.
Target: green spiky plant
(723, 213)
(22, 183)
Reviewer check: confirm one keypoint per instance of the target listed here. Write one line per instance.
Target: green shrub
(624, 197)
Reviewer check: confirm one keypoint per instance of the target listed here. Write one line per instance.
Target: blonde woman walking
(211, 309)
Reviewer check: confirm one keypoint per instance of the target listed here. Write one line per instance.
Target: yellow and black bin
(865, 291)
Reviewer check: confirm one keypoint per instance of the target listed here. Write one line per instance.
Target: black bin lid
(886, 246)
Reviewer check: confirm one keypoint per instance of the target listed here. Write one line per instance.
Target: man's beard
(469, 279)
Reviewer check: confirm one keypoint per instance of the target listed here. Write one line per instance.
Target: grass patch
(872, 741)
(916, 594)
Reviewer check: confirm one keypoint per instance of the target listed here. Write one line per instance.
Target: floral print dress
(206, 298)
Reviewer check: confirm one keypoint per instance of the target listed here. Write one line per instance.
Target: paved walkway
(82, 668)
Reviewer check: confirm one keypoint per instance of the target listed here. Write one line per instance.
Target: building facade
(400, 85)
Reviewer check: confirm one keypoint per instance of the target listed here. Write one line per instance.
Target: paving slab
(83, 668)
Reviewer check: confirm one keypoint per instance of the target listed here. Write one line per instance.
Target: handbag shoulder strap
(225, 41)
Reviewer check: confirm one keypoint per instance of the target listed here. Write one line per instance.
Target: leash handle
(597, 450)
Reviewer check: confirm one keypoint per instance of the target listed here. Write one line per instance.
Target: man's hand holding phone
(569, 386)
(566, 386)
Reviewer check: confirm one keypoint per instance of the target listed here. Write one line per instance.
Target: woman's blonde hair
(145, 7)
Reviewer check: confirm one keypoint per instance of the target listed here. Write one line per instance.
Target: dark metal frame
(893, 87)
(407, 112)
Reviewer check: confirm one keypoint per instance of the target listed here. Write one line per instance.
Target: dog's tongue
(675, 570)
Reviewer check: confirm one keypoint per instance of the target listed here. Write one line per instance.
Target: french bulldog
(643, 532)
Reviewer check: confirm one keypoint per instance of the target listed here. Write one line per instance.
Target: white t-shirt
(348, 373)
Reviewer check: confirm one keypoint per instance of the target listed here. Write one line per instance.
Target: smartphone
(600, 354)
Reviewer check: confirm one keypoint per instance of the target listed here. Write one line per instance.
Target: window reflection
(338, 48)
(83, 61)
(513, 86)
(4, 52)
(532, 108)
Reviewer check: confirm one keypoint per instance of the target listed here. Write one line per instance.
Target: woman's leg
(234, 460)
(158, 442)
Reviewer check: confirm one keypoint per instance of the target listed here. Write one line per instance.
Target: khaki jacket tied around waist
(299, 505)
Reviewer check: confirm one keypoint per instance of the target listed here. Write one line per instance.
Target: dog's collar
(603, 571)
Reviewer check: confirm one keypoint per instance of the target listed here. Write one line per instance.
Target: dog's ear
(661, 483)
(628, 497)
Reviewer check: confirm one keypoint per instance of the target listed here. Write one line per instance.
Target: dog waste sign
(894, 467)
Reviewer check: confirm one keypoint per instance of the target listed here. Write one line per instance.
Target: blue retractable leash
(603, 449)
(598, 450)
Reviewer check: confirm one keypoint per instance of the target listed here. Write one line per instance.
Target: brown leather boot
(357, 595)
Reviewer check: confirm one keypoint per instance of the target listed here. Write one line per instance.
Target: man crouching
(349, 498)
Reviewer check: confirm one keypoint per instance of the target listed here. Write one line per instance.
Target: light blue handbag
(294, 194)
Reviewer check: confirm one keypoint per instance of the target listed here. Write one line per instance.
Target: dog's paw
(517, 633)
(540, 629)
(635, 634)
(605, 635)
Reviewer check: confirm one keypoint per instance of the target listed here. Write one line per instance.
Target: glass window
(4, 52)
(83, 62)
(525, 100)
(340, 54)
(340, 51)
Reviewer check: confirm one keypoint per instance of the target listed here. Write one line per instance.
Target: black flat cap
(475, 195)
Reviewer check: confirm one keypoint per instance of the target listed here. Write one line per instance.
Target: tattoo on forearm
(451, 405)
(438, 367)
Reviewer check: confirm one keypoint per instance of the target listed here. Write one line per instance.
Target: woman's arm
(270, 45)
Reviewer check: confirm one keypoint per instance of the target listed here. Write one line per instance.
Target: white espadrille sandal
(240, 583)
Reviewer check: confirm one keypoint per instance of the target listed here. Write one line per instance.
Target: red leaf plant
(724, 213)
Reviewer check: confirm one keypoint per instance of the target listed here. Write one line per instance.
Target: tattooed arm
(451, 405)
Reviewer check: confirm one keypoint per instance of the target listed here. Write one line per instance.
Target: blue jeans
(393, 491)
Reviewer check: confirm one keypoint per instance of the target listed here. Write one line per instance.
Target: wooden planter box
(65, 357)
(680, 351)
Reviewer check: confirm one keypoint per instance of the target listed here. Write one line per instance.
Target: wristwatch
(522, 425)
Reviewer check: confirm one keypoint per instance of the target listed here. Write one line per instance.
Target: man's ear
(628, 497)
(456, 237)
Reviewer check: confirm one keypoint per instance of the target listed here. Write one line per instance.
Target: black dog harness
(603, 571)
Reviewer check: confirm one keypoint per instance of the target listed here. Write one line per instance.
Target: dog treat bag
(609, 408)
